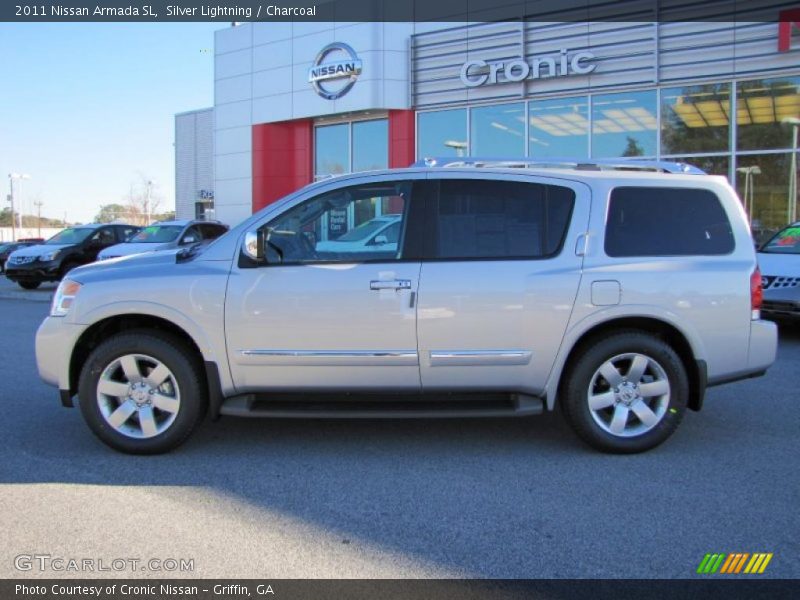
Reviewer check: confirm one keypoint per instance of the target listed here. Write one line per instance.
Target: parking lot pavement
(446, 498)
(11, 291)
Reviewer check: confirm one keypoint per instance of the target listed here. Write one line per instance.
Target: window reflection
(764, 185)
(442, 133)
(331, 149)
(559, 128)
(498, 130)
(695, 118)
(624, 124)
(713, 165)
(370, 145)
(761, 106)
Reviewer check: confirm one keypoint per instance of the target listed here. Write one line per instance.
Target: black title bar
(399, 10)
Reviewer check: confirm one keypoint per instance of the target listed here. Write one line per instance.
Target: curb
(30, 297)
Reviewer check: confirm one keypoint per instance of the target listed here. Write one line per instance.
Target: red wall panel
(401, 138)
(283, 154)
(282, 159)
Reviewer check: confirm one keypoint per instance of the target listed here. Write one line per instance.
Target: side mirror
(189, 239)
(380, 240)
(253, 246)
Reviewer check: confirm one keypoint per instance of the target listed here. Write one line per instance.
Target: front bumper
(782, 301)
(55, 341)
(34, 271)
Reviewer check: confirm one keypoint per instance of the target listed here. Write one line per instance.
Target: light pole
(749, 188)
(459, 147)
(38, 204)
(147, 201)
(794, 123)
(11, 178)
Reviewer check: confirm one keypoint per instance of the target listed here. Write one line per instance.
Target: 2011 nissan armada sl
(619, 291)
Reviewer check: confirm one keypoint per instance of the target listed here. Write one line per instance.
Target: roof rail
(615, 164)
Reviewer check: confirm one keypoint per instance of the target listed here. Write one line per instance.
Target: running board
(363, 406)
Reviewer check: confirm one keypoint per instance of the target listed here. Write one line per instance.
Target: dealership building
(295, 102)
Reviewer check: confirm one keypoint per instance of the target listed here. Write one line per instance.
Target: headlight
(49, 256)
(64, 297)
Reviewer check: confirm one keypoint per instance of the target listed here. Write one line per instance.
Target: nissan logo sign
(334, 71)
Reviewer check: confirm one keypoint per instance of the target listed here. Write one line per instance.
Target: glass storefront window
(559, 128)
(624, 125)
(695, 118)
(498, 130)
(331, 149)
(764, 183)
(442, 133)
(370, 145)
(761, 106)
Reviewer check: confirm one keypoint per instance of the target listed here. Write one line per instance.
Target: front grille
(772, 282)
(21, 260)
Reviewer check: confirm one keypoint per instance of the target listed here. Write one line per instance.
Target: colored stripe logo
(735, 563)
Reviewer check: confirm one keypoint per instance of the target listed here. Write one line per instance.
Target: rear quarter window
(657, 221)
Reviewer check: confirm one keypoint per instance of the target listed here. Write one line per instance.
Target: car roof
(183, 222)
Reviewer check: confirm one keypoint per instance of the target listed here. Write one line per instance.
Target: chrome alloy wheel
(628, 395)
(138, 396)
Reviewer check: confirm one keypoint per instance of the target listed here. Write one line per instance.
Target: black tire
(579, 380)
(29, 285)
(187, 375)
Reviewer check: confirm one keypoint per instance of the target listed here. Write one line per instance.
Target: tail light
(756, 294)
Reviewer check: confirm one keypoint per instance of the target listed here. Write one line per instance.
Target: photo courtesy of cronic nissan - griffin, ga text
(618, 291)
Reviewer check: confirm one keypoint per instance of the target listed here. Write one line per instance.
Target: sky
(88, 109)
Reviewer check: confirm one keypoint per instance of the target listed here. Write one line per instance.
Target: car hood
(785, 265)
(94, 271)
(39, 249)
(132, 248)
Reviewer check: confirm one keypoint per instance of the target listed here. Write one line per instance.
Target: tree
(632, 148)
(111, 212)
(144, 200)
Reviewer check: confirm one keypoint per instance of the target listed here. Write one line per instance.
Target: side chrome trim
(332, 358)
(479, 358)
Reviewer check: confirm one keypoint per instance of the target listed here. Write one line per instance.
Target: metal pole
(147, 202)
(13, 218)
(38, 204)
(793, 178)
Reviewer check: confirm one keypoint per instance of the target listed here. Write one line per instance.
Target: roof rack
(618, 164)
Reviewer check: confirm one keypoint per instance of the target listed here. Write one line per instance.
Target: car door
(308, 320)
(100, 239)
(499, 277)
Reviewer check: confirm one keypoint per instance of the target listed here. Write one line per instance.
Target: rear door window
(658, 221)
(494, 219)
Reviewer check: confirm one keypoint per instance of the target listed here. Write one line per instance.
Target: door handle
(393, 284)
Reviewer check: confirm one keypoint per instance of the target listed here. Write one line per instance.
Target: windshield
(157, 234)
(70, 236)
(785, 242)
(362, 232)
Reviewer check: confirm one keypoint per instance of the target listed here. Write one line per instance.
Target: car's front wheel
(626, 393)
(142, 392)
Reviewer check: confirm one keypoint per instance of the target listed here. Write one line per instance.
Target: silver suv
(618, 291)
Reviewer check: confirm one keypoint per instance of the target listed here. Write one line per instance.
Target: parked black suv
(6, 248)
(70, 248)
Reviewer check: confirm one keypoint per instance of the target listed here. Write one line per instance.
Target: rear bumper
(760, 354)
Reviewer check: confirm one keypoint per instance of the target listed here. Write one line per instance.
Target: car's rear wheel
(29, 285)
(626, 393)
(142, 392)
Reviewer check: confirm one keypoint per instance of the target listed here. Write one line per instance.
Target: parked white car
(374, 236)
(779, 260)
(166, 235)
